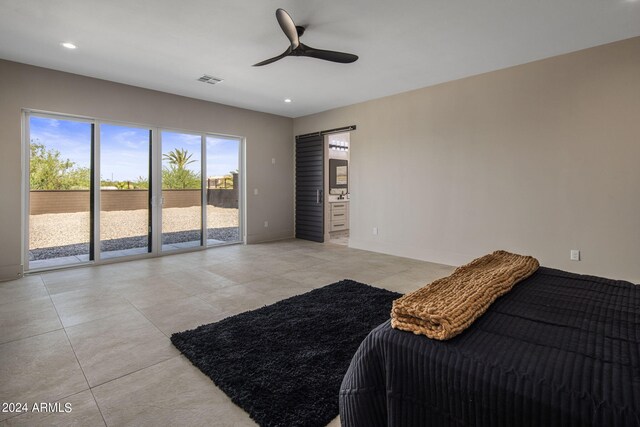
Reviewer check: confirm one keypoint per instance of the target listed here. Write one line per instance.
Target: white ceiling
(406, 44)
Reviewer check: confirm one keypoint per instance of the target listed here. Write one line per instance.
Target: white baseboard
(438, 257)
(10, 272)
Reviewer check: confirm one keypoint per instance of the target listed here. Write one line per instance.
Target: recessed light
(288, 100)
(69, 45)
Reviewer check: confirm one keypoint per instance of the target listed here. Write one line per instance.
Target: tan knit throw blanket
(447, 306)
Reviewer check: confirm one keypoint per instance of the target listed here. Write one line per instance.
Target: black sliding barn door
(309, 188)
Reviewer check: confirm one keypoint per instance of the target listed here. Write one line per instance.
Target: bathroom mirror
(338, 176)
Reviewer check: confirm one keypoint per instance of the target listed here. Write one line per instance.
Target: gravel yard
(53, 230)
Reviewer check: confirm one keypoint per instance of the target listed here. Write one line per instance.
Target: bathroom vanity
(338, 215)
(338, 194)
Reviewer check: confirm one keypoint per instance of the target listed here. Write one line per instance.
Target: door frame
(98, 194)
(159, 198)
(325, 180)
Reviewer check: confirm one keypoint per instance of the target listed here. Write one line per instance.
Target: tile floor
(339, 238)
(98, 337)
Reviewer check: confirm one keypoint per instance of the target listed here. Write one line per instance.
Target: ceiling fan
(293, 33)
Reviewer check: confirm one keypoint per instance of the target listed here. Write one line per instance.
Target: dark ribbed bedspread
(560, 349)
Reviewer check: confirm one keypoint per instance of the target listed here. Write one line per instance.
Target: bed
(560, 349)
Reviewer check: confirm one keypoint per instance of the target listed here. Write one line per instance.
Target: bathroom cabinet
(339, 216)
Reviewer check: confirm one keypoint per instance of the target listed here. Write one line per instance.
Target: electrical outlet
(273, 161)
(255, 191)
(266, 224)
(575, 255)
(375, 231)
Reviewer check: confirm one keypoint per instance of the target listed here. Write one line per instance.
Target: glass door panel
(125, 214)
(223, 190)
(181, 190)
(106, 190)
(60, 221)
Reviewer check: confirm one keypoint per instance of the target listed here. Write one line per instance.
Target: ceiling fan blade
(288, 27)
(327, 55)
(274, 59)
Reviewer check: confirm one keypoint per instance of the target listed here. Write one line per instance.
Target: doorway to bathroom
(337, 149)
(322, 189)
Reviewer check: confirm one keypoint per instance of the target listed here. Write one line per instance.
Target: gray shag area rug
(284, 363)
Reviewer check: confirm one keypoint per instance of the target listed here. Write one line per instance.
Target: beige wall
(539, 159)
(267, 136)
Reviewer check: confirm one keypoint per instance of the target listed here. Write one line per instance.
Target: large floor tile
(316, 277)
(132, 269)
(397, 283)
(27, 317)
(388, 264)
(25, 288)
(86, 305)
(114, 346)
(148, 292)
(200, 260)
(278, 287)
(413, 278)
(76, 275)
(238, 298)
(92, 284)
(334, 253)
(80, 410)
(182, 314)
(199, 281)
(265, 265)
(39, 369)
(173, 392)
(358, 271)
(238, 271)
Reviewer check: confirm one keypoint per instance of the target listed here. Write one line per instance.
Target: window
(99, 191)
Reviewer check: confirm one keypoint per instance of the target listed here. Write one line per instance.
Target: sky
(124, 150)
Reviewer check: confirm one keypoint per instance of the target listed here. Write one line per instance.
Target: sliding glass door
(125, 193)
(99, 191)
(181, 190)
(223, 189)
(59, 190)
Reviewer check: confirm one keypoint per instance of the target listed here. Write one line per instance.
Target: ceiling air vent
(209, 79)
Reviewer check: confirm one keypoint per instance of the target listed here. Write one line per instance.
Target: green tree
(178, 157)
(77, 179)
(141, 183)
(174, 178)
(176, 175)
(49, 171)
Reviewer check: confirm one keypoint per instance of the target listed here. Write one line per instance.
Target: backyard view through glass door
(125, 208)
(223, 190)
(98, 191)
(59, 214)
(181, 190)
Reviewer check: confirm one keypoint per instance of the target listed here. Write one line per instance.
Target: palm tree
(176, 175)
(178, 157)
